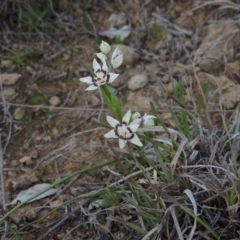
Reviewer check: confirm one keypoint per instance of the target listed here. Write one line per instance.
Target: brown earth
(46, 116)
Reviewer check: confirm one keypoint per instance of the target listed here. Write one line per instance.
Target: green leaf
(111, 101)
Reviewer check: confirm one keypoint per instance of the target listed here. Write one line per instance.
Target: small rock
(9, 78)
(30, 69)
(27, 160)
(34, 154)
(7, 93)
(234, 67)
(54, 204)
(66, 56)
(54, 101)
(171, 86)
(212, 50)
(138, 81)
(117, 20)
(177, 70)
(55, 132)
(18, 113)
(188, 44)
(5, 63)
(94, 100)
(137, 100)
(165, 79)
(231, 98)
(186, 80)
(14, 163)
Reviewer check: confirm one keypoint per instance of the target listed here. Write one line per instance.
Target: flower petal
(148, 122)
(101, 56)
(86, 79)
(116, 52)
(116, 63)
(122, 143)
(136, 121)
(134, 127)
(90, 88)
(112, 122)
(127, 116)
(104, 65)
(135, 140)
(96, 65)
(113, 76)
(148, 116)
(110, 134)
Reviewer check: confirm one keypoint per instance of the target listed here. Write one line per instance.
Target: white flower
(123, 131)
(146, 120)
(105, 47)
(117, 58)
(101, 76)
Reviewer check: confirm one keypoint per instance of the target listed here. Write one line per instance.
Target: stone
(137, 81)
(231, 98)
(165, 79)
(116, 20)
(5, 63)
(54, 101)
(26, 160)
(9, 78)
(14, 163)
(7, 93)
(233, 67)
(216, 46)
(19, 113)
(170, 87)
(94, 100)
(139, 102)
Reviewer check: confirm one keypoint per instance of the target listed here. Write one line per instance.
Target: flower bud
(117, 58)
(105, 47)
(136, 115)
(148, 120)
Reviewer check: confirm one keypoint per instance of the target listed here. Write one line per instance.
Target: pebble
(7, 93)
(171, 86)
(19, 113)
(54, 101)
(26, 159)
(165, 79)
(137, 81)
(9, 78)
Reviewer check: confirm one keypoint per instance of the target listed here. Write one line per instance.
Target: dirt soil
(47, 127)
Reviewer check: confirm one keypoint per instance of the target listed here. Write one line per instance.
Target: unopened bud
(117, 58)
(105, 47)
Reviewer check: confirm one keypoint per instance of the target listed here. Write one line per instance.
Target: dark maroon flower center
(123, 131)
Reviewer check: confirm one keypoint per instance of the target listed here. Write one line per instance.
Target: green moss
(36, 99)
(157, 32)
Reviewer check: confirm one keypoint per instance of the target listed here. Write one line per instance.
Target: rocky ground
(47, 130)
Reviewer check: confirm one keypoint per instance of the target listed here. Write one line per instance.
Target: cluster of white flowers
(126, 129)
(101, 74)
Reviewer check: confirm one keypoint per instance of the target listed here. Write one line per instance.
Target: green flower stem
(55, 184)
